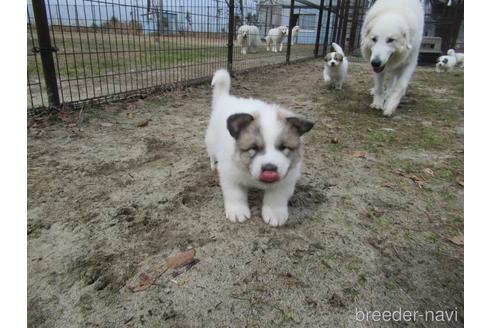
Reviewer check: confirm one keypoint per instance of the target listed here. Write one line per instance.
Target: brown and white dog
(254, 144)
(336, 66)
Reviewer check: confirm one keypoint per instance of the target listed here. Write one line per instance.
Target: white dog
(460, 57)
(275, 38)
(336, 66)
(295, 35)
(445, 63)
(391, 37)
(248, 38)
(254, 144)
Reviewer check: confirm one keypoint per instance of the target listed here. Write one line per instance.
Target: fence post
(318, 31)
(46, 50)
(289, 36)
(325, 41)
(230, 42)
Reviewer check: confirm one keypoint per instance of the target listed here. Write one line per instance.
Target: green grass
(92, 54)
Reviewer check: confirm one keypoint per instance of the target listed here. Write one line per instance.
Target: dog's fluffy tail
(221, 83)
(338, 49)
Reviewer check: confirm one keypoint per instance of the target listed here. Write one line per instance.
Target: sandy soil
(371, 223)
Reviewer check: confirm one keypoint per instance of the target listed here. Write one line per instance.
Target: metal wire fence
(95, 51)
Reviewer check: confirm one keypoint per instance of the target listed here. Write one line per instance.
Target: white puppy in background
(391, 37)
(275, 38)
(253, 144)
(445, 63)
(248, 38)
(295, 34)
(460, 57)
(336, 66)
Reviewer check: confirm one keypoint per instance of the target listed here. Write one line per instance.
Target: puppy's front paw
(390, 106)
(275, 216)
(237, 212)
(378, 102)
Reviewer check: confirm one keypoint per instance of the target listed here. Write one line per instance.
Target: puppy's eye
(390, 40)
(253, 148)
(375, 39)
(284, 148)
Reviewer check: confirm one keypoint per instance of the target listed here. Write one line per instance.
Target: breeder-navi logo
(407, 316)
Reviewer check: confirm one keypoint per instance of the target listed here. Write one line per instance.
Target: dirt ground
(374, 223)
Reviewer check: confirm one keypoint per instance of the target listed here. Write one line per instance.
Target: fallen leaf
(460, 182)
(457, 240)
(106, 125)
(172, 262)
(428, 171)
(181, 259)
(335, 141)
(145, 282)
(359, 154)
(143, 123)
(417, 180)
(388, 185)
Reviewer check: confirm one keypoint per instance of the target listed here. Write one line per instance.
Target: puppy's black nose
(332, 64)
(376, 62)
(269, 167)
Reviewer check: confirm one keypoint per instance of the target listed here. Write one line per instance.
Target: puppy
(391, 36)
(460, 57)
(254, 144)
(248, 38)
(445, 64)
(295, 34)
(336, 66)
(275, 37)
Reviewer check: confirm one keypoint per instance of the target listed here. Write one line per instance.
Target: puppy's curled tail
(451, 52)
(338, 49)
(221, 83)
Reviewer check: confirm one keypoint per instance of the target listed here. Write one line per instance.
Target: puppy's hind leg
(235, 201)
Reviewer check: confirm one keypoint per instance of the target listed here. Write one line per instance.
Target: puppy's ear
(338, 57)
(299, 124)
(237, 122)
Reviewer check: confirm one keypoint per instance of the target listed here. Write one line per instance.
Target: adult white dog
(275, 37)
(460, 57)
(336, 66)
(295, 35)
(445, 63)
(248, 38)
(391, 36)
(253, 144)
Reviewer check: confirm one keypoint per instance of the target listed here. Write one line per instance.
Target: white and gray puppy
(460, 57)
(253, 144)
(248, 38)
(336, 66)
(275, 37)
(445, 63)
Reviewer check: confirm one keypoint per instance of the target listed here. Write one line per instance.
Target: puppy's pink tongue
(269, 176)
